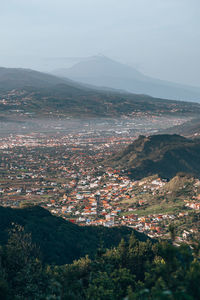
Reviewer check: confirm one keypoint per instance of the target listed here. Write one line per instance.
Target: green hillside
(60, 241)
(132, 270)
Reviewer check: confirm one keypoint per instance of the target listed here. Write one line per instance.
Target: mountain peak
(102, 71)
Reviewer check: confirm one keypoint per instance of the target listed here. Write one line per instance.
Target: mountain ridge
(165, 155)
(39, 93)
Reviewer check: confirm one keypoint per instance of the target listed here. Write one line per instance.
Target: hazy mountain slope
(61, 241)
(188, 129)
(17, 78)
(42, 94)
(165, 155)
(102, 71)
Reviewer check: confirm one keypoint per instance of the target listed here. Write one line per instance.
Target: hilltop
(105, 72)
(165, 155)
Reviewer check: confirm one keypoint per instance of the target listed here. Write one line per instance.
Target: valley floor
(63, 172)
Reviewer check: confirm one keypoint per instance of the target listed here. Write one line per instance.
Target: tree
(26, 276)
(172, 232)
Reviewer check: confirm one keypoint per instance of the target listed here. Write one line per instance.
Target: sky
(161, 38)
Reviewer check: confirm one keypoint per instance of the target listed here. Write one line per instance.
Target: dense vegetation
(60, 241)
(165, 155)
(132, 270)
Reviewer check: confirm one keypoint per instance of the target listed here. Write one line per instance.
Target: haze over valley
(85, 128)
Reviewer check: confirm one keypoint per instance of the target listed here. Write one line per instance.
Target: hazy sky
(159, 37)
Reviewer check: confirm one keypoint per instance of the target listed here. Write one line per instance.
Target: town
(65, 173)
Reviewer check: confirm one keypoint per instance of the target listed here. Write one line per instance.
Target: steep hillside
(105, 72)
(165, 155)
(60, 241)
(181, 187)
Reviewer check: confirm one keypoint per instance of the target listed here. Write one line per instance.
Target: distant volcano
(105, 72)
